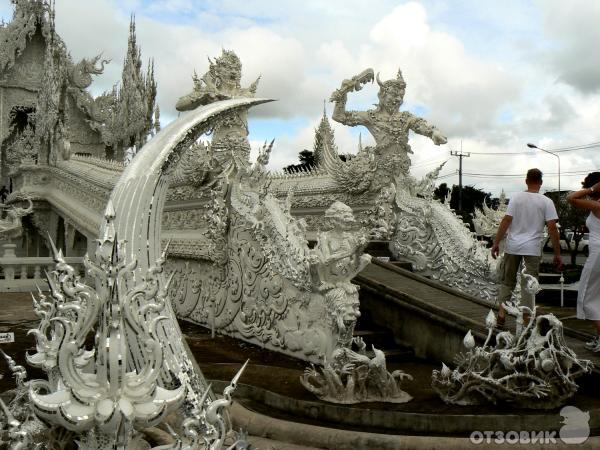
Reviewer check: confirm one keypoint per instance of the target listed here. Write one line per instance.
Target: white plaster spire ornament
(106, 395)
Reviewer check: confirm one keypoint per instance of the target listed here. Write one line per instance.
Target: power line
(576, 147)
(447, 175)
(556, 150)
(429, 162)
(510, 175)
(520, 175)
(502, 153)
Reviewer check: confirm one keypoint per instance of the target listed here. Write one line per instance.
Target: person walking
(588, 295)
(523, 225)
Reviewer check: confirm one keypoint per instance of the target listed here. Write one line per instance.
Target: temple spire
(323, 133)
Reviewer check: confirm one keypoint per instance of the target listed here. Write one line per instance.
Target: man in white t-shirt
(524, 221)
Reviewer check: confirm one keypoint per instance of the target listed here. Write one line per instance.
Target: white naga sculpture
(139, 368)
(534, 368)
(428, 234)
(11, 226)
(390, 128)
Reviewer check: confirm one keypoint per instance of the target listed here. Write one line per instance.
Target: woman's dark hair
(590, 180)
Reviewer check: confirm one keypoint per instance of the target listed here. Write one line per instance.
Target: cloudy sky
(491, 75)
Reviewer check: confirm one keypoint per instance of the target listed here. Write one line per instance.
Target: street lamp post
(558, 197)
(558, 157)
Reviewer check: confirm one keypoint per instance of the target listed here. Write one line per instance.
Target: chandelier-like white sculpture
(102, 390)
(534, 368)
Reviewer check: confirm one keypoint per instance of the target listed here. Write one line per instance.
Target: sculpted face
(230, 75)
(351, 311)
(391, 97)
(341, 216)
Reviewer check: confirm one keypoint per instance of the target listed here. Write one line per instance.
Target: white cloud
(494, 77)
(573, 27)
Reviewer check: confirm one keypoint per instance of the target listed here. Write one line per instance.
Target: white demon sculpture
(257, 279)
(376, 167)
(347, 376)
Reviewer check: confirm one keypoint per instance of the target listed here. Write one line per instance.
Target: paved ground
(221, 357)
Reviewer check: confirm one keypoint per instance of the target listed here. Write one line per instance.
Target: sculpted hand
(354, 84)
(438, 138)
(360, 343)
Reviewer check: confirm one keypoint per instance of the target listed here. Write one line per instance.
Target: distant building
(46, 112)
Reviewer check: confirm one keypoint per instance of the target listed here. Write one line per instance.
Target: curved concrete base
(400, 421)
(313, 436)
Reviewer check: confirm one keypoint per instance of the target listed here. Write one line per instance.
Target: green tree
(573, 219)
(307, 160)
(472, 198)
(441, 192)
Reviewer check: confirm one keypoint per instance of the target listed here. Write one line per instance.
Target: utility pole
(460, 155)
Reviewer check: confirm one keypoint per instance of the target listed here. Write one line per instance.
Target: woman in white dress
(588, 297)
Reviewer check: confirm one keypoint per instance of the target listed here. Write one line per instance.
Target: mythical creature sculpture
(437, 242)
(390, 128)
(262, 283)
(258, 280)
(353, 377)
(486, 220)
(80, 74)
(347, 376)
(534, 368)
(11, 226)
(229, 146)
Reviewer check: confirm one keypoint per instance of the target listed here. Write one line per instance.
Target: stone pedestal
(8, 251)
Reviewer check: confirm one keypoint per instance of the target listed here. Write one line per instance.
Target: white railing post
(28, 271)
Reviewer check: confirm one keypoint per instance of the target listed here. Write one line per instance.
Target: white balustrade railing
(22, 274)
